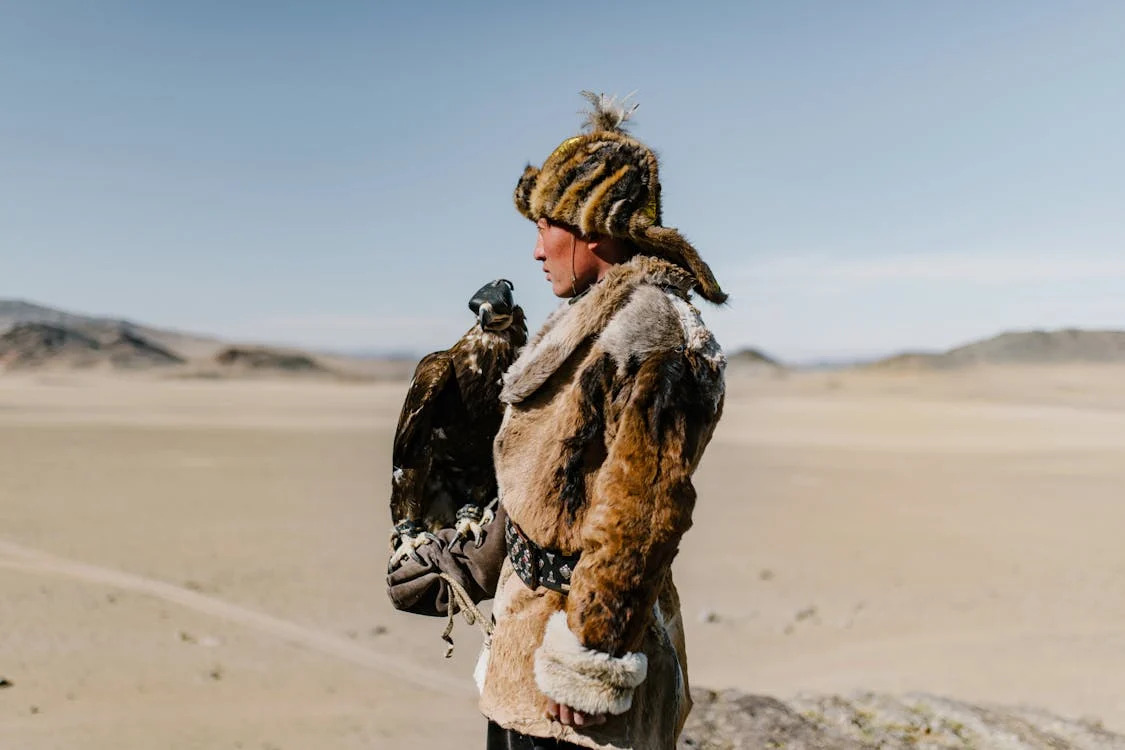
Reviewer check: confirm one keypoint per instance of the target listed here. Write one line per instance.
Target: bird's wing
(433, 374)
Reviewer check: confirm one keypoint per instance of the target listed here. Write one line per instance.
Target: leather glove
(416, 587)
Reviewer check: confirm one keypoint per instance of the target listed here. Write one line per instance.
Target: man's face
(566, 257)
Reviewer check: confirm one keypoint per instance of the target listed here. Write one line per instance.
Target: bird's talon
(471, 522)
(486, 518)
(396, 558)
(469, 529)
(407, 544)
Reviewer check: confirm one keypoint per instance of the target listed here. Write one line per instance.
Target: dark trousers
(505, 739)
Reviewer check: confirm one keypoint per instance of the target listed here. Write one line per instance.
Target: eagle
(442, 458)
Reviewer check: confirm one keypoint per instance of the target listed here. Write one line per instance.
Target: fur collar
(572, 324)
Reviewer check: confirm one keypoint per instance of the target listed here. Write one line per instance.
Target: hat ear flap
(524, 189)
(668, 243)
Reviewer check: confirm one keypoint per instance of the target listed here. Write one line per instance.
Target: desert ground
(199, 563)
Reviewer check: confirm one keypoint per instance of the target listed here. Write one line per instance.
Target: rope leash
(473, 616)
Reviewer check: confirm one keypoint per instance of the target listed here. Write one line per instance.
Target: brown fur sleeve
(642, 500)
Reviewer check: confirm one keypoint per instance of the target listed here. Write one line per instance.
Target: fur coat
(608, 411)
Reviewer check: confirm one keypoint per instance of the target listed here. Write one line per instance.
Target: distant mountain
(14, 311)
(756, 356)
(263, 358)
(753, 362)
(34, 336)
(33, 345)
(1018, 347)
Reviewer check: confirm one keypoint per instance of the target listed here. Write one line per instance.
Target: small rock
(708, 615)
(5, 682)
(34, 710)
(208, 641)
(216, 672)
(379, 630)
(805, 614)
(766, 574)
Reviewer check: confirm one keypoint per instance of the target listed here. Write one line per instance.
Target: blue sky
(862, 177)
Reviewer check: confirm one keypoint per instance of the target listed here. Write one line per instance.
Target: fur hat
(607, 182)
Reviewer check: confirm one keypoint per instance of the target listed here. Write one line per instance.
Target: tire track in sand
(30, 560)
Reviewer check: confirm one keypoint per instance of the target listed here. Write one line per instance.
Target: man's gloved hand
(416, 587)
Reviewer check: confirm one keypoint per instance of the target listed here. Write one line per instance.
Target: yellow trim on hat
(566, 148)
(651, 206)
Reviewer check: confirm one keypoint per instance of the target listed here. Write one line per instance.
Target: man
(607, 412)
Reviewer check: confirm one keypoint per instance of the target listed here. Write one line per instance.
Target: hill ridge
(33, 335)
(1029, 346)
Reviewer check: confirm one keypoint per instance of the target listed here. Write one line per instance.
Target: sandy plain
(199, 564)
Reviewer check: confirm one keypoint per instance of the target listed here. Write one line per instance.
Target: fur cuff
(590, 681)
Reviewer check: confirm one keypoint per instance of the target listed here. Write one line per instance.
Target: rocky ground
(731, 720)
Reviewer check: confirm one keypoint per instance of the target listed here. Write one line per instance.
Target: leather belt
(535, 565)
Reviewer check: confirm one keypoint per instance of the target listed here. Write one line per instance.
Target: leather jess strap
(535, 565)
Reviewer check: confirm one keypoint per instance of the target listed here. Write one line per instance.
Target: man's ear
(607, 248)
(602, 244)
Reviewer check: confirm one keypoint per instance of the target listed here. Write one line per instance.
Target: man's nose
(540, 253)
